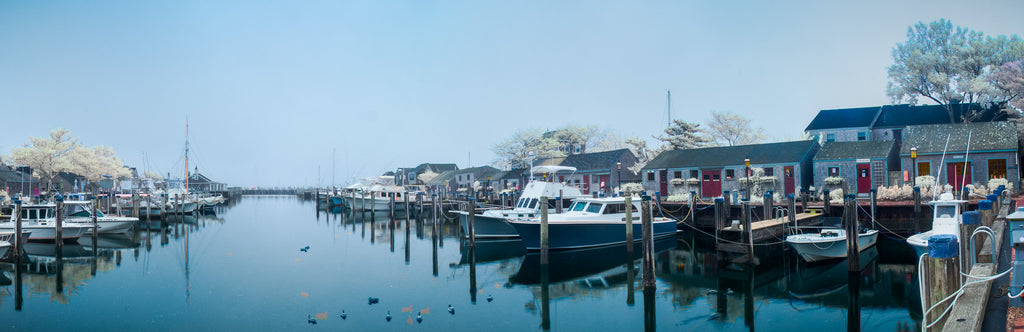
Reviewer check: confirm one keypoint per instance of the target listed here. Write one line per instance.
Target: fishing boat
(41, 221)
(589, 222)
(81, 213)
(946, 219)
(828, 243)
(10, 236)
(4, 246)
(492, 224)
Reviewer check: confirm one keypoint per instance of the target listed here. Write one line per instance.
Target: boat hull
(586, 234)
(832, 248)
(49, 232)
(108, 225)
(485, 227)
(920, 242)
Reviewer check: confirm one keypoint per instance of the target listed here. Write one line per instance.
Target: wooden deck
(773, 228)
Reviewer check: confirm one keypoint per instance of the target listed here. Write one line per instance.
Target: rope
(878, 224)
(729, 241)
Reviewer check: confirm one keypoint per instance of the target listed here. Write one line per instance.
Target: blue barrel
(972, 218)
(943, 246)
(992, 197)
(985, 205)
(719, 200)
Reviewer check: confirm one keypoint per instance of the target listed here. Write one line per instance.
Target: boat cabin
(946, 215)
(600, 207)
(37, 212)
(79, 209)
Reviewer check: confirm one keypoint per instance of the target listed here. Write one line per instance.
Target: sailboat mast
(186, 157)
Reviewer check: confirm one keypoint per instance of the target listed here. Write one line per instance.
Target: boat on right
(946, 219)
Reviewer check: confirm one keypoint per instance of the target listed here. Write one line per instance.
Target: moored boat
(492, 224)
(946, 219)
(81, 212)
(828, 243)
(590, 222)
(41, 221)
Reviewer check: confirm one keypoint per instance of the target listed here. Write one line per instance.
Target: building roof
(436, 168)
(843, 118)
(513, 174)
(902, 115)
(9, 175)
(440, 179)
(588, 161)
(479, 173)
(985, 136)
(199, 178)
(768, 153)
(855, 150)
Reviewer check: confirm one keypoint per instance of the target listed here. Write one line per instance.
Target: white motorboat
(80, 212)
(828, 243)
(946, 219)
(590, 222)
(4, 246)
(41, 220)
(491, 224)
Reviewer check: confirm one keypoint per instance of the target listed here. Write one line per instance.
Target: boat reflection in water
(112, 241)
(603, 265)
(822, 280)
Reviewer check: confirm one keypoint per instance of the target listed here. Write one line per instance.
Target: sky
(306, 93)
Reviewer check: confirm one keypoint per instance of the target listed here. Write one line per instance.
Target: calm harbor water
(243, 270)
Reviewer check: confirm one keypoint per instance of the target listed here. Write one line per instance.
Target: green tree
(684, 135)
(949, 66)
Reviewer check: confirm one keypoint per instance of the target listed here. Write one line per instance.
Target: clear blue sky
(271, 87)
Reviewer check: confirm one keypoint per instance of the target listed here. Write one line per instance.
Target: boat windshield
(533, 203)
(616, 208)
(594, 208)
(36, 213)
(578, 206)
(80, 210)
(945, 211)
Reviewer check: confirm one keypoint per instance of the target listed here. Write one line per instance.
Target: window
(715, 177)
(833, 171)
(594, 208)
(614, 208)
(830, 138)
(996, 169)
(862, 136)
(769, 171)
(678, 174)
(533, 203)
(924, 168)
(650, 176)
(729, 174)
(693, 174)
(577, 206)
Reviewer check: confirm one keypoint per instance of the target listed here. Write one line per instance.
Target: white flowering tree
(525, 145)
(47, 156)
(729, 129)
(949, 66)
(95, 162)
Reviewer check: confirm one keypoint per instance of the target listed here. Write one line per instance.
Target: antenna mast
(669, 99)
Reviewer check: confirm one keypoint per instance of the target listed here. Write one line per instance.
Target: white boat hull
(108, 225)
(70, 231)
(814, 247)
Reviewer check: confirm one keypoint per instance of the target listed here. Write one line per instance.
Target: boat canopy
(551, 169)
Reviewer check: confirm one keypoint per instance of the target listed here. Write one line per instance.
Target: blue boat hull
(488, 227)
(564, 236)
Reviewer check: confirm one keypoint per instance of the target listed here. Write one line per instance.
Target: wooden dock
(765, 230)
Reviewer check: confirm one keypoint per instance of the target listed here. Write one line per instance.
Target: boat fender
(972, 218)
(943, 246)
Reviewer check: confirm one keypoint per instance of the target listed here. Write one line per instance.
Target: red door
(957, 176)
(863, 178)
(711, 183)
(605, 185)
(663, 178)
(586, 184)
(789, 180)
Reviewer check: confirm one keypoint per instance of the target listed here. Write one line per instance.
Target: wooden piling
(791, 208)
(804, 195)
(391, 206)
(419, 203)
(135, 205)
(719, 216)
(408, 209)
(18, 237)
(987, 216)
(748, 233)
(942, 275)
(558, 202)
(647, 228)
(95, 223)
(692, 202)
(827, 201)
(970, 221)
(373, 205)
(766, 206)
(874, 204)
(726, 206)
(58, 237)
(917, 209)
(629, 223)
(544, 231)
(470, 213)
(852, 233)
(149, 207)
